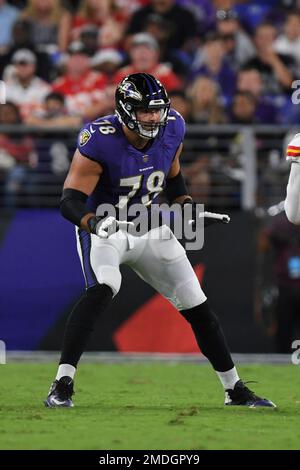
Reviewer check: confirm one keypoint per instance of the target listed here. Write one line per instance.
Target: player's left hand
(211, 218)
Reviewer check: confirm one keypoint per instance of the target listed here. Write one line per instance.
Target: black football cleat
(242, 396)
(60, 393)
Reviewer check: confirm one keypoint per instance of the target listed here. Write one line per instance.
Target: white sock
(65, 369)
(228, 378)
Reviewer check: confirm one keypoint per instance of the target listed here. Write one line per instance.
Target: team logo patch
(84, 137)
(129, 91)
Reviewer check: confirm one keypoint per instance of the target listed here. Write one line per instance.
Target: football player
(292, 201)
(121, 159)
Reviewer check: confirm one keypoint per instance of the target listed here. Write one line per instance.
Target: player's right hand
(110, 225)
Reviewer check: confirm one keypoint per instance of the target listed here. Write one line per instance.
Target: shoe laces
(242, 393)
(64, 389)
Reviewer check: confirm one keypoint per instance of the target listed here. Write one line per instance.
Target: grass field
(147, 406)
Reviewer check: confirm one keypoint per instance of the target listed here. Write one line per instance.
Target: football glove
(213, 218)
(210, 218)
(103, 228)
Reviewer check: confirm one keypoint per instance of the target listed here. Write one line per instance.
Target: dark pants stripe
(85, 244)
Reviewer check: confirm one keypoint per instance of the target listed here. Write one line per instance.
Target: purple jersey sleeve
(180, 125)
(175, 129)
(87, 142)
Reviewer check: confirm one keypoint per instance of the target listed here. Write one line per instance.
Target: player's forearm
(292, 201)
(73, 208)
(176, 190)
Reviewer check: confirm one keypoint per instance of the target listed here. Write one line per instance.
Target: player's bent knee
(92, 302)
(111, 276)
(188, 295)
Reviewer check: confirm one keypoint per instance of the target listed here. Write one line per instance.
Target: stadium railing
(226, 166)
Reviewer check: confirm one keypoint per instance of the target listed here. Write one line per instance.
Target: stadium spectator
(54, 114)
(107, 61)
(89, 38)
(211, 61)
(277, 70)
(253, 13)
(144, 56)
(173, 14)
(180, 102)
(22, 39)
(288, 43)
(71, 6)
(104, 15)
(243, 110)
(159, 28)
(8, 15)
(18, 3)
(128, 7)
(203, 11)
(17, 155)
(198, 178)
(23, 87)
(237, 44)
(82, 87)
(46, 21)
(249, 80)
(53, 150)
(206, 107)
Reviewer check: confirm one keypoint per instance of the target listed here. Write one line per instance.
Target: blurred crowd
(222, 61)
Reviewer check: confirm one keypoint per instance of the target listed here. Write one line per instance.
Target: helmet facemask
(149, 130)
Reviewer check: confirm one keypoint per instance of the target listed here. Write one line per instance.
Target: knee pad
(189, 295)
(109, 275)
(202, 316)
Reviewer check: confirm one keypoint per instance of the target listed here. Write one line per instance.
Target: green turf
(147, 406)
